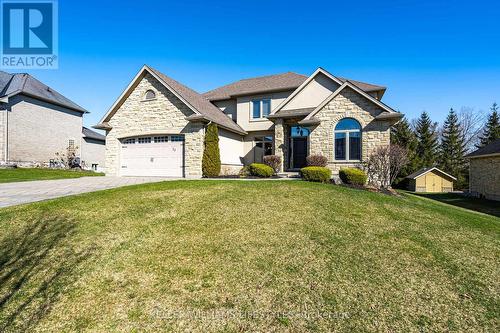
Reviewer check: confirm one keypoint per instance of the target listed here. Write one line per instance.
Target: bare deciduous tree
(384, 165)
(471, 122)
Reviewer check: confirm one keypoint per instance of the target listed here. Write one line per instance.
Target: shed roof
(88, 133)
(423, 171)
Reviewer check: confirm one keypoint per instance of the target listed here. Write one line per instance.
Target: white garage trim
(159, 155)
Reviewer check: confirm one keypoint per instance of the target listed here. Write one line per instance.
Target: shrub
(274, 161)
(261, 170)
(317, 160)
(211, 154)
(353, 176)
(316, 174)
(245, 171)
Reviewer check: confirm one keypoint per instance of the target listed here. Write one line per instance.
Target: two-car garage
(156, 155)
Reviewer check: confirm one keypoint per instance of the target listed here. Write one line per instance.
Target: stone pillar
(279, 141)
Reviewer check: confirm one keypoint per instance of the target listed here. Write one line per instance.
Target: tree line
(429, 145)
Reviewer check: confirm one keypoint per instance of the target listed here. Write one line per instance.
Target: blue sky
(432, 55)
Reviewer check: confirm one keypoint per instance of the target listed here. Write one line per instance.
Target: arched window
(348, 140)
(150, 94)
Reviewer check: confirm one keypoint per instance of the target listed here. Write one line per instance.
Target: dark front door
(299, 152)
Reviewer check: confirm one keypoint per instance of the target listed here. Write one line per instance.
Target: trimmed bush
(353, 176)
(261, 170)
(211, 154)
(244, 172)
(317, 160)
(316, 174)
(274, 161)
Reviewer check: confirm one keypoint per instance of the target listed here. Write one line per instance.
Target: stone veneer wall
(348, 104)
(484, 177)
(163, 115)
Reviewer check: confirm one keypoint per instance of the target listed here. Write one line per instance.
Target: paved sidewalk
(24, 192)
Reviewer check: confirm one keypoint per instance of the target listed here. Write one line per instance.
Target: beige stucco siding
(231, 148)
(484, 176)
(244, 109)
(228, 107)
(348, 104)
(164, 115)
(36, 130)
(313, 94)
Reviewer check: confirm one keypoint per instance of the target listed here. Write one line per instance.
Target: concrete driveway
(24, 192)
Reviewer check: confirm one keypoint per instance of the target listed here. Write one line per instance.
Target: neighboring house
(484, 171)
(93, 150)
(156, 126)
(430, 180)
(36, 122)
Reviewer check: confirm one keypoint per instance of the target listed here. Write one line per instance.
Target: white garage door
(153, 156)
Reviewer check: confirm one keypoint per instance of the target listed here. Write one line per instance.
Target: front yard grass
(28, 174)
(480, 205)
(235, 256)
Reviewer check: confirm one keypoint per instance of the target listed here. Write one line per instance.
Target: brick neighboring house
(484, 171)
(157, 125)
(37, 122)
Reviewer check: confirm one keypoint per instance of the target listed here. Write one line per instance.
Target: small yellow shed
(430, 180)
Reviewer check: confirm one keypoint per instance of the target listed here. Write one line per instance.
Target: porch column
(279, 142)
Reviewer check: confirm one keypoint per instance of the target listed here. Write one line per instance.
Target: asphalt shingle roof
(22, 83)
(492, 148)
(200, 103)
(278, 82)
(88, 133)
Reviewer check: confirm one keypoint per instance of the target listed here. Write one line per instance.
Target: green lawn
(481, 205)
(236, 256)
(27, 174)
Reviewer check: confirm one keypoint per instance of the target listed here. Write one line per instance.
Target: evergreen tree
(403, 136)
(425, 132)
(492, 129)
(452, 148)
(211, 154)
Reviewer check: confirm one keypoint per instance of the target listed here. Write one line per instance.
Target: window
(159, 139)
(150, 94)
(144, 140)
(263, 147)
(129, 141)
(299, 131)
(176, 138)
(261, 108)
(348, 140)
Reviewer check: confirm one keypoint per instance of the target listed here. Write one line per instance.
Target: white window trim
(144, 99)
(347, 152)
(260, 100)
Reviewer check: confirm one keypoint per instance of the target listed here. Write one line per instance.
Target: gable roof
(88, 133)
(490, 149)
(348, 84)
(272, 83)
(25, 84)
(423, 171)
(195, 101)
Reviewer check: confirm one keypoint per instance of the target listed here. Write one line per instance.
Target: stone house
(37, 122)
(484, 171)
(156, 126)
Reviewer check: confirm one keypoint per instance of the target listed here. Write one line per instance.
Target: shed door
(433, 183)
(153, 156)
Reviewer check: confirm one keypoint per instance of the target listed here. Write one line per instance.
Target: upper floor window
(348, 140)
(150, 94)
(261, 108)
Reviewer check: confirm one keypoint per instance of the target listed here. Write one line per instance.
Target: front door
(299, 152)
